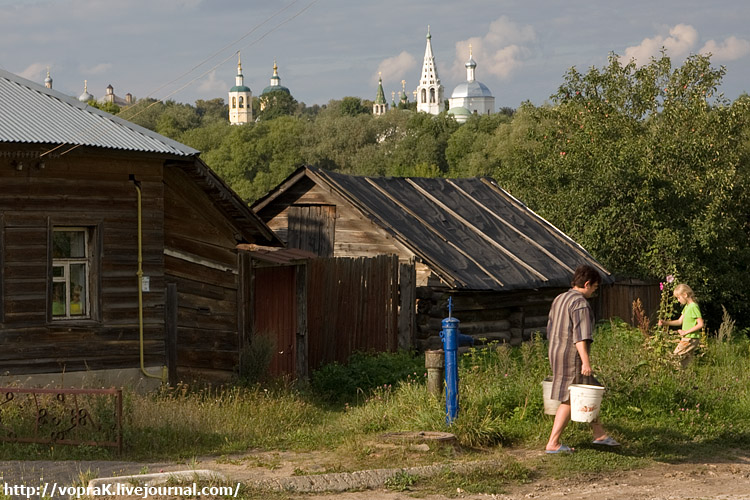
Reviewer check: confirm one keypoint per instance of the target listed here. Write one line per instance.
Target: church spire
(239, 79)
(429, 91)
(380, 106)
(471, 66)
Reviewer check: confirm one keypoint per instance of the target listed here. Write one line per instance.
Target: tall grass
(654, 408)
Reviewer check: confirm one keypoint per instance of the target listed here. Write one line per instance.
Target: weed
(401, 481)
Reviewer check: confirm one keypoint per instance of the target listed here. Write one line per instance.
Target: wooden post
(302, 347)
(170, 323)
(434, 361)
(408, 300)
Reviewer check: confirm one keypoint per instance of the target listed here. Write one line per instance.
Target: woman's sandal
(607, 441)
(562, 449)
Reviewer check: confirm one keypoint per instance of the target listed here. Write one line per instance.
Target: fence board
(351, 307)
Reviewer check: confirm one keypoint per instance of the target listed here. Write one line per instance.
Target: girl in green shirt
(690, 321)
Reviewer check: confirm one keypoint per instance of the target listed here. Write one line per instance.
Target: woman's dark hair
(585, 273)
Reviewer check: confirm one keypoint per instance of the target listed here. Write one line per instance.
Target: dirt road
(716, 480)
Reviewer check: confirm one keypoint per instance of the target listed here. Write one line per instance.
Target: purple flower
(670, 278)
(661, 286)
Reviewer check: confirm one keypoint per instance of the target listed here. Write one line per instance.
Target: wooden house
(117, 247)
(468, 238)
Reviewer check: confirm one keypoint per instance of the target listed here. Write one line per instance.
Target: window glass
(70, 273)
(58, 299)
(69, 244)
(78, 290)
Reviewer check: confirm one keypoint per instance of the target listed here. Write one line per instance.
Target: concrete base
(131, 378)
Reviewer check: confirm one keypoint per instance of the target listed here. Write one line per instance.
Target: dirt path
(716, 480)
(721, 480)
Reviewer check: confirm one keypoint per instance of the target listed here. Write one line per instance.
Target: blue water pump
(452, 338)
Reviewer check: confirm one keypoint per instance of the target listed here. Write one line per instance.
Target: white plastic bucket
(585, 401)
(550, 405)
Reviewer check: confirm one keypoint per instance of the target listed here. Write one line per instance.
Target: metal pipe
(451, 339)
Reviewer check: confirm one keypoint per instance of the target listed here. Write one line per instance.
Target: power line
(255, 28)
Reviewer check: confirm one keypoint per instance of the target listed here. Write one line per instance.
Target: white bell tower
(240, 99)
(430, 91)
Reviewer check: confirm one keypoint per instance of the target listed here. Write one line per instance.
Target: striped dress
(571, 320)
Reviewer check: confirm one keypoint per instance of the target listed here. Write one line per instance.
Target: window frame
(92, 241)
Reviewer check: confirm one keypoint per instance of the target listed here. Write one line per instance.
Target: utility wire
(289, 19)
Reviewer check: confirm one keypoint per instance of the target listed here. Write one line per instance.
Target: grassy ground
(657, 410)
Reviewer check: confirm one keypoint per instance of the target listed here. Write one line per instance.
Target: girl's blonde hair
(683, 289)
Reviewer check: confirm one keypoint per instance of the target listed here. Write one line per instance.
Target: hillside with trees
(646, 167)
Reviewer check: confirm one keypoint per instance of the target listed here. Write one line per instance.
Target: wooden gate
(275, 315)
(353, 305)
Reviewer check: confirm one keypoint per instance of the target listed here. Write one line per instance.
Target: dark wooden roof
(276, 255)
(472, 233)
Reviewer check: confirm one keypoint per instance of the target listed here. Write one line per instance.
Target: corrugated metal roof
(32, 113)
(473, 234)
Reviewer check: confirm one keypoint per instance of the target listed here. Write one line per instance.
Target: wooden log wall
(503, 317)
(81, 188)
(202, 261)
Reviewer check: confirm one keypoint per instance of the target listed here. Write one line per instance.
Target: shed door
(313, 228)
(276, 315)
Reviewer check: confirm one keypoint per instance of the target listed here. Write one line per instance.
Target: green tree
(213, 110)
(177, 118)
(352, 106)
(109, 107)
(640, 165)
(276, 103)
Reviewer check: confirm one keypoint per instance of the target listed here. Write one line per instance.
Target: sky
(186, 50)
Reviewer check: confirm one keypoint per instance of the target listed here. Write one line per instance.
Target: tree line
(647, 167)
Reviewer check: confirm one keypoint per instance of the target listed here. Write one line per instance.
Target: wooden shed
(469, 239)
(117, 247)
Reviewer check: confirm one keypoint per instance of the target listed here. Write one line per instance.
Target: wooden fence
(353, 305)
(616, 301)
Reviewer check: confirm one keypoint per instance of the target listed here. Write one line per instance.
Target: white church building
(430, 90)
(240, 99)
(471, 97)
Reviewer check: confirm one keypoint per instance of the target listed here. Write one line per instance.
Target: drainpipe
(139, 273)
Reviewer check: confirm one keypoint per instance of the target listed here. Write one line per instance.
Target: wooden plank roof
(472, 233)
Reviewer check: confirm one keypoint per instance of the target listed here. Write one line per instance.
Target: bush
(354, 381)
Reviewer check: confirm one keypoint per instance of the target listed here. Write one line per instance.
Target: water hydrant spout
(452, 338)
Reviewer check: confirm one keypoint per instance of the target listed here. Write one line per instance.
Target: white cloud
(212, 84)
(502, 50)
(36, 72)
(505, 32)
(680, 41)
(99, 69)
(732, 49)
(394, 69)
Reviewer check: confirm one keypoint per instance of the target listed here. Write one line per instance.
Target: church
(471, 97)
(241, 97)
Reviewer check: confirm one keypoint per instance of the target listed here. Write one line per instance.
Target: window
(234, 102)
(70, 273)
(242, 102)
